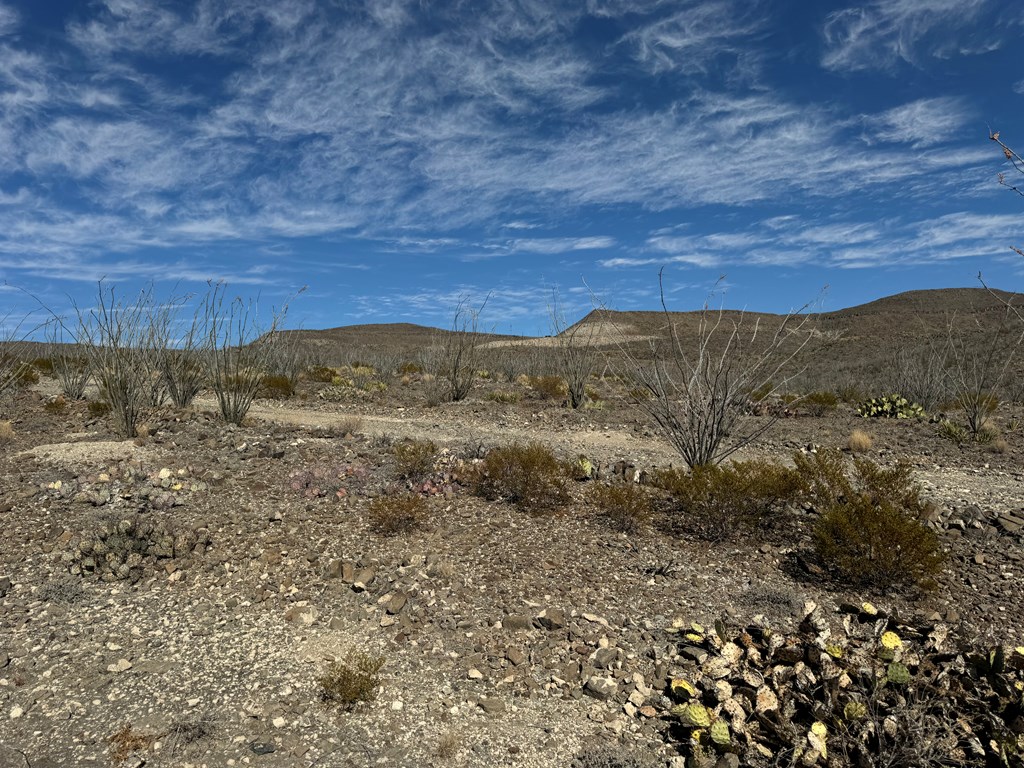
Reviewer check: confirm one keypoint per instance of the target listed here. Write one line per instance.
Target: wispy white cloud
(880, 34)
(920, 123)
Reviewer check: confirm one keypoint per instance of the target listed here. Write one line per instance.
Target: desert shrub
(126, 741)
(350, 425)
(97, 408)
(391, 515)
(320, 374)
(6, 432)
(820, 403)
(871, 531)
(503, 396)
(624, 507)
(414, 458)
(999, 445)
(548, 387)
(410, 368)
(859, 441)
(56, 406)
(352, 681)
(851, 393)
(529, 476)
(717, 501)
(44, 365)
(890, 407)
(276, 387)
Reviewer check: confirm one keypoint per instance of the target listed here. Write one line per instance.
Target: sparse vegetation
(624, 507)
(549, 387)
(819, 403)
(528, 476)
(720, 501)
(353, 680)
(6, 432)
(890, 407)
(872, 528)
(859, 441)
(455, 355)
(414, 458)
(395, 514)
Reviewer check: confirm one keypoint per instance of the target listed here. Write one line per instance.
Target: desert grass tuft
(859, 441)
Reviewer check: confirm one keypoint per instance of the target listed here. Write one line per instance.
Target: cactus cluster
(890, 407)
(809, 696)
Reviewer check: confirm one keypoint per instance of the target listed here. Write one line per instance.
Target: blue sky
(395, 156)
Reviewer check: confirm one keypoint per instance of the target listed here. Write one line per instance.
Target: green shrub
(718, 501)
(414, 458)
(391, 515)
(44, 365)
(529, 476)
(549, 387)
(624, 507)
(352, 681)
(890, 407)
(871, 531)
(503, 396)
(820, 403)
(408, 369)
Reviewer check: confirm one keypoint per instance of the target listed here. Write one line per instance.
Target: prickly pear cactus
(890, 407)
(720, 733)
(897, 673)
(693, 715)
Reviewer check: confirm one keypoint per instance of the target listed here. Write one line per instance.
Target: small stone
(363, 579)
(122, 665)
(728, 760)
(397, 603)
(397, 706)
(475, 674)
(5, 585)
(492, 706)
(601, 687)
(16, 712)
(515, 656)
(279, 722)
(517, 622)
(551, 619)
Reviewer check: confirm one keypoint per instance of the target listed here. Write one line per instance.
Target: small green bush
(549, 387)
(414, 458)
(529, 476)
(624, 507)
(717, 501)
(352, 681)
(820, 403)
(392, 515)
(871, 531)
(503, 396)
(890, 407)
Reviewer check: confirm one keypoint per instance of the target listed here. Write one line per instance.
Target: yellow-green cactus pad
(891, 641)
(869, 609)
(682, 688)
(835, 651)
(693, 715)
(897, 673)
(855, 710)
(720, 733)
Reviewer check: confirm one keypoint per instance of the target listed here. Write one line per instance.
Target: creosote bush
(624, 507)
(321, 374)
(392, 515)
(414, 458)
(718, 501)
(871, 531)
(352, 681)
(819, 403)
(548, 387)
(276, 387)
(528, 476)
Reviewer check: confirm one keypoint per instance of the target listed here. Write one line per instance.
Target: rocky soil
(173, 600)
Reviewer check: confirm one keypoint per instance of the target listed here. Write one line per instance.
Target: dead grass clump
(276, 387)
(503, 396)
(320, 374)
(999, 445)
(6, 432)
(126, 741)
(549, 387)
(528, 476)
(350, 425)
(392, 515)
(414, 458)
(98, 408)
(717, 502)
(859, 441)
(352, 681)
(56, 406)
(871, 531)
(448, 745)
(624, 507)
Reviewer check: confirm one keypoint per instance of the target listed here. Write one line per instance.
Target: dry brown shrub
(392, 515)
(529, 476)
(717, 502)
(352, 681)
(414, 458)
(6, 432)
(624, 507)
(999, 445)
(126, 741)
(549, 387)
(350, 425)
(859, 441)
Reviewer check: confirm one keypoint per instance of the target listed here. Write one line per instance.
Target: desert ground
(508, 636)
